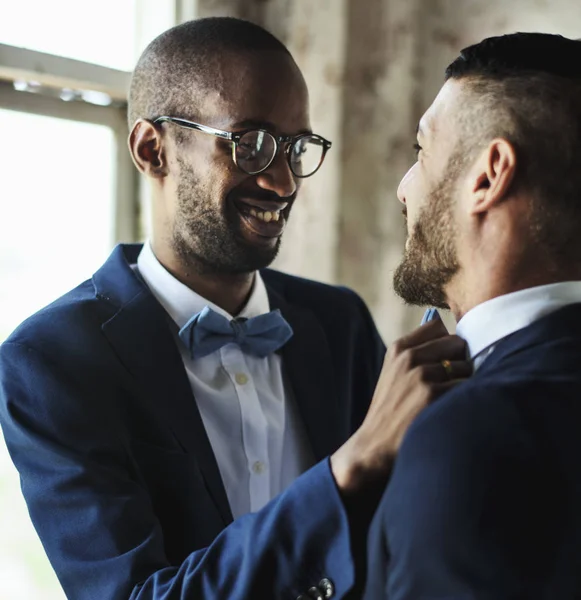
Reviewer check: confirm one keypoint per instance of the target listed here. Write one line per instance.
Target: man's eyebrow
(257, 124)
(419, 130)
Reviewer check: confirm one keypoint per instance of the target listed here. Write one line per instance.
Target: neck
(473, 287)
(229, 292)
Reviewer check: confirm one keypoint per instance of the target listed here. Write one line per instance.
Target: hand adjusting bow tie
(260, 336)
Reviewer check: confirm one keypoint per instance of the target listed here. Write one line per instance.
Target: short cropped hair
(526, 88)
(180, 63)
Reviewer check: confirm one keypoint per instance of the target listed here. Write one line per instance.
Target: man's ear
(147, 149)
(492, 175)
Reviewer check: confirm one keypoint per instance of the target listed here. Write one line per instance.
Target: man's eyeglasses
(253, 150)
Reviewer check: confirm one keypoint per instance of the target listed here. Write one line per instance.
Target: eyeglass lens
(256, 149)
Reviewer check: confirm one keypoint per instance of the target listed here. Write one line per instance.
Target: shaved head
(182, 66)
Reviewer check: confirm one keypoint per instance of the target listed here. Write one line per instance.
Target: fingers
(417, 370)
(430, 331)
(446, 371)
(450, 347)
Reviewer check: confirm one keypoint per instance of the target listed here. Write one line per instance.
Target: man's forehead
(428, 123)
(439, 114)
(268, 72)
(270, 94)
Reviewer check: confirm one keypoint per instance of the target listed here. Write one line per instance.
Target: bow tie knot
(238, 325)
(260, 336)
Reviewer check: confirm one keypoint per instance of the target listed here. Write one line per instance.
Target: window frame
(55, 73)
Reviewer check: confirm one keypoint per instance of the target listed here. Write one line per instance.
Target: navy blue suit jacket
(485, 498)
(116, 467)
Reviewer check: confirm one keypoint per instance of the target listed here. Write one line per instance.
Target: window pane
(102, 32)
(56, 228)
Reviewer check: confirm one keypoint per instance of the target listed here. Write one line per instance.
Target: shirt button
(241, 378)
(258, 467)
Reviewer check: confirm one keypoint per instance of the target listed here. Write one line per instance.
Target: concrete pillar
(381, 110)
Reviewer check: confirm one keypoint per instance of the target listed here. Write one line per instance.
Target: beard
(430, 260)
(207, 236)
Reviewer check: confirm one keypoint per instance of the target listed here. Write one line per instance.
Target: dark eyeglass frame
(235, 137)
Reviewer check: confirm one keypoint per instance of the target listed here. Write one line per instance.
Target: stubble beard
(207, 236)
(430, 260)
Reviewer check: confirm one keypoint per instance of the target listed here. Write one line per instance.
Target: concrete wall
(373, 67)
(455, 24)
(382, 83)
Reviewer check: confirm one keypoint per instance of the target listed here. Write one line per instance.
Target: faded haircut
(526, 88)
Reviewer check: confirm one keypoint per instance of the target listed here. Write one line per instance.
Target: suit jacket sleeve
(465, 515)
(97, 522)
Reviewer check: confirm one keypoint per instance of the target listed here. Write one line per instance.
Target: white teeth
(265, 216)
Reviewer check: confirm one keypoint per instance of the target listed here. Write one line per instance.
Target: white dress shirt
(486, 324)
(245, 402)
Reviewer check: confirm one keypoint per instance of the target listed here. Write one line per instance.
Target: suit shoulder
(465, 490)
(475, 420)
(74, 311)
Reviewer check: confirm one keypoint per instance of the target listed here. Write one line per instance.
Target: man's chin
(238, 257)
(418, 289)
(251, 257)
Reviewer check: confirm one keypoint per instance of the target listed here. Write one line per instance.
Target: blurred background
(70, 192)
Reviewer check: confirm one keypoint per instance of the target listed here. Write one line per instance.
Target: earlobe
(146, 148)
(496, 169)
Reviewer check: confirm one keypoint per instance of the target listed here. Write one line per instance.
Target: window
(56, 209)
(69, 189)
(59, 219)
(74, 29)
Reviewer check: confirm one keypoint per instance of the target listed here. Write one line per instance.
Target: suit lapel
(563, 324)
(141, 337)
(308, 365)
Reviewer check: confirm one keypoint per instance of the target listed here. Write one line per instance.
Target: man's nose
(278, 178)
(401, 188)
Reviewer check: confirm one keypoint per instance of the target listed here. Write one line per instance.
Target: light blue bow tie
(260, 336)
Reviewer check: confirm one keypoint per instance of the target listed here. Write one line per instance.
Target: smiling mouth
(266, 219)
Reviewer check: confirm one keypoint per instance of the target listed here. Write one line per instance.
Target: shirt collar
(181, 302)
(489, 322)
